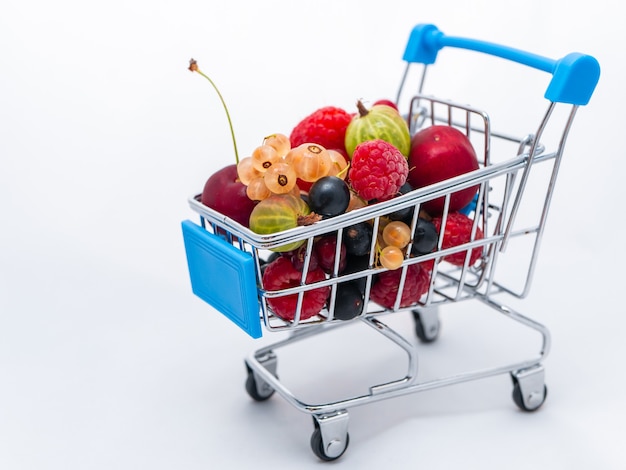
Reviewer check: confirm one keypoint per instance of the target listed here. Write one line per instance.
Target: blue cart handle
(574, 77)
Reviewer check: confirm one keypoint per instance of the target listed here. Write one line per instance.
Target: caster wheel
(426, 327)
(333, 451)
(258, 390)
(535, 399)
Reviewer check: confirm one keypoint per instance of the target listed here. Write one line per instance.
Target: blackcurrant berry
(424, 238)
(358, 238)
(355, 264)
(349, 301)
(406, 214)
(329, 196)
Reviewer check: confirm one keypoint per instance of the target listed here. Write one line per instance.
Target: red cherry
(325, 249)
(224, 193)
(387, 103)
(439, 153)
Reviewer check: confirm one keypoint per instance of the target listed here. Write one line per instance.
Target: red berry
(458, 230)
(386, 102)
(325, 249)
(304, 186)
(386, 286)
(281, 274)
(377, 170)
(326, 127)
(298, 256)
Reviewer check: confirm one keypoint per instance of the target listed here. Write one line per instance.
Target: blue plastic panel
(223, 276)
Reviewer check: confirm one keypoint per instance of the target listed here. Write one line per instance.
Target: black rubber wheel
(253, 390)
(423, 335)
(317, 445)
(519, 401)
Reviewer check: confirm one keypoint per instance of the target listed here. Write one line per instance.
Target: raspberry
(386, 285)
(326, 127)
(377, 170)
(458, 230)
(281, 274)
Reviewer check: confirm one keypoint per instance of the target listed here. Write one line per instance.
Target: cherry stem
(193, 66)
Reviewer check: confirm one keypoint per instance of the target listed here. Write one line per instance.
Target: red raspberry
(326, 127)
(385, 287)
(458, 230)
(377, 170)
(281, 274)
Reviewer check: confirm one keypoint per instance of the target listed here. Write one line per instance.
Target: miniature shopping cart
(226, 260)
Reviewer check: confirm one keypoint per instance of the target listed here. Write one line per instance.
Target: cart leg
(427, 324)
(529, 389)
(256, 387)
(330, 437)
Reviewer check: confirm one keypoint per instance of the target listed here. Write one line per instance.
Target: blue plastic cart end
(223, 276)
(422, 47)
(471, 207)
(574, 79)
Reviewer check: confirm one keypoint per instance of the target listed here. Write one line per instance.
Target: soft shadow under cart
(226, 259)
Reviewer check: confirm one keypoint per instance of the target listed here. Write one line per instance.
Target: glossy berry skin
(280, 178)
(379, 122)
(329, 196)
(439, 153)
(348, 301)
(277, 213)
(310, 161)
(281, 274)
(397, 233)
(325, 249)
(386, 102)
(356, 264)
(391, 257)
(425, 237)
(405, 214)
(358, 238)
(226, 194)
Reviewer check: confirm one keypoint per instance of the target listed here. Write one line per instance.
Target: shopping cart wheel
(257, 388)
(330, 437)
(427, 324)
(529, 389)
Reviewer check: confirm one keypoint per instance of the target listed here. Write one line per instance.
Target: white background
(106, 358)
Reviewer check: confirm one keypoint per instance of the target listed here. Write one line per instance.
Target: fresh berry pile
(333, 162)
(312, 166)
